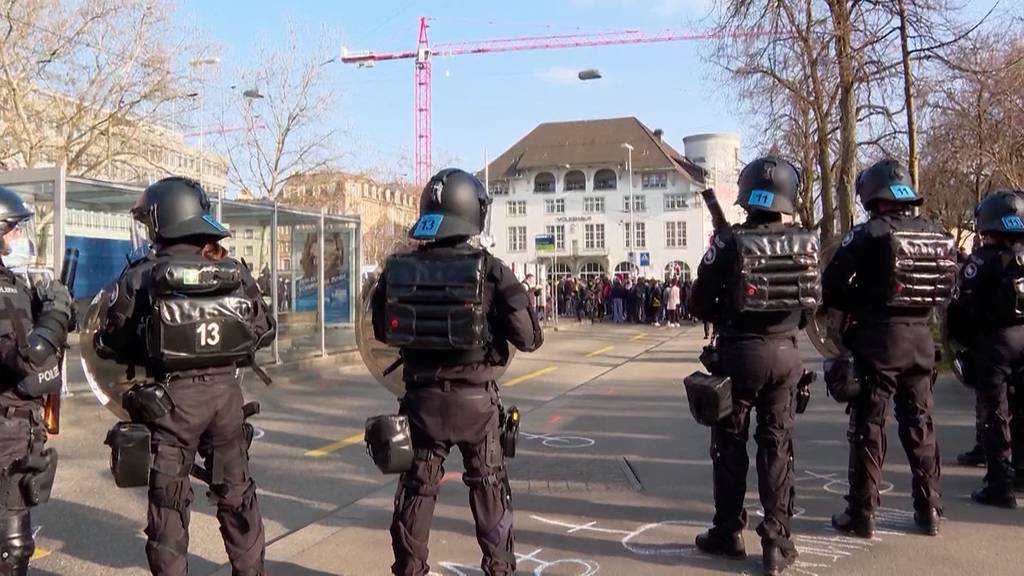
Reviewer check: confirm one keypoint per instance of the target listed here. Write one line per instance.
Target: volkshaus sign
(573, 219)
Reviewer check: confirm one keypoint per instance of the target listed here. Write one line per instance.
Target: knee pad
(169, 485)
(16, 543)
(412, 482)
(478, 478)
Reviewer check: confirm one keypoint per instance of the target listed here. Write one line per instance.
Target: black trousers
(466, 417)
(997, 358)
(16, 435)
(211, 407)
(895, 362)
(764, 372)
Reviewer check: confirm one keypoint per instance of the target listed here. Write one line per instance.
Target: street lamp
(196, 64)
(631, 235)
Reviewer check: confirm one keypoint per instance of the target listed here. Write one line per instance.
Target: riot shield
(107, 379)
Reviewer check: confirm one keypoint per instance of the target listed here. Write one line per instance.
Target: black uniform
(894, 355)
(207, 402)
(759, 354)
(452, 400)
(985, 316)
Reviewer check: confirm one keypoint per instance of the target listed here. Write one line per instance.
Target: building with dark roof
(571, 180)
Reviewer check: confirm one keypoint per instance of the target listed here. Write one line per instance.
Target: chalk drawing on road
(832, 482)
(258, 433)
(540, 567)
(823, 551)
(759, 512)
(553, 441)
(628, 538)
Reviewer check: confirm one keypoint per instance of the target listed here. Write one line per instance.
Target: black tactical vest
(922, 268)
(1010, 307)
(777, 270)
(201, 315)
(437, 302)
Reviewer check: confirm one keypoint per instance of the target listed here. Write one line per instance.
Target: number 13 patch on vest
(428, 226)
(761, 198)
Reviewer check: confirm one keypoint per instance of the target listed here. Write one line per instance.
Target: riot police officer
(758, 349)
(190, 315)
(882, 284)
(34, 323)
(987, 317)
(453, 309)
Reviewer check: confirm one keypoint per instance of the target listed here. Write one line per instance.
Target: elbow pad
(47, 337)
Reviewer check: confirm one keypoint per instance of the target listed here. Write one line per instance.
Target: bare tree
(80, 81)
(285, 114)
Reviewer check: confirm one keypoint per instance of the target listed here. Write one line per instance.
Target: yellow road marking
(335, 446)
(600, 351)
(41, 553)
(529, 376)
(639, 336)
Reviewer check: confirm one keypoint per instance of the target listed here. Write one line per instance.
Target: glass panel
(341, 273)
(298, 327)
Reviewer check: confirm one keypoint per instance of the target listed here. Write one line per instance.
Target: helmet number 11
(208, 334)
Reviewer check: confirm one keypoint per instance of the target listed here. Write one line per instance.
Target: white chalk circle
(552, 441)
(758, 511)
(258, 433)
(647, 549)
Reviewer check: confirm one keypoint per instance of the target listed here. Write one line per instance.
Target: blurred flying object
(252, 93)
(423, 54)
(590, 74)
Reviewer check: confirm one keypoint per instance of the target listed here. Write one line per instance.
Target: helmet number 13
(208, 333)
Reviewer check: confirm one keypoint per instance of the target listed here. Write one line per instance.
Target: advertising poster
(306, 251)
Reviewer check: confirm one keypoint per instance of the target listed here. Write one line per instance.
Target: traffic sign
(645, 258)
(544, 242)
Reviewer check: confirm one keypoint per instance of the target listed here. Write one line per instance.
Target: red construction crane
(424, 53)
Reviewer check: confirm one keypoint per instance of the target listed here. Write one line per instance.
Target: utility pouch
(130, 456)
(37, 471)
(389, 443)
(148, 402)
(509, 421)
(710, 397)
(803, 390)
(963, 364)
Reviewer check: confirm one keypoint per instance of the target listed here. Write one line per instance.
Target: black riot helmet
(13, 210)
(769, 184)
(454, 203)
(175, 208)
(886, 180)
(1001, 211)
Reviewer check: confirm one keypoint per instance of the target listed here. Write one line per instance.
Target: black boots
(855, 523)
(991, 496)
(928, 520)
(776, 559)
(722, 544)
(973, 457)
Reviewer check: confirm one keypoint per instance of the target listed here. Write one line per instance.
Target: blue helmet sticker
(902, 192)
(761, 198)
(1013, 223)
(209, 219)
(428, 226)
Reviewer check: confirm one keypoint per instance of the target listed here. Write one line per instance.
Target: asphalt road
(613, 477)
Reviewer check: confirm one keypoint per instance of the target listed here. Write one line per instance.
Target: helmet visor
(19, 247)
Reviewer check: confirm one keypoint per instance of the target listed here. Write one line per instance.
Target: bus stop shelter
(306, 263)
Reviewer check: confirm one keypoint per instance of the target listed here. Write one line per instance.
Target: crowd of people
(617, 299)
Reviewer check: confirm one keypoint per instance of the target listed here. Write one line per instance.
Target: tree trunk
(845, 175)
(908, 92)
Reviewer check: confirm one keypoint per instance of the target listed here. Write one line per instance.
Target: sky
(482, 104)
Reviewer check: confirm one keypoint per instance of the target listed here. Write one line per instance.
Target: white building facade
(571, 180)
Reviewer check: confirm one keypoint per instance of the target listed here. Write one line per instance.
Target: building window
(248, 251)
(286, 263)
(639, 203)
(554, 206)
(677, 269)
(593, 237)
(624, 270)
(499, 188)
(575, 181)
(654, 180)
(675, 202)
(517, 208)
(591, 271)
(675, 234)
(247, 234)
(593, 205)
(558, 231)
(605, 179)
(641, 234)
(544, 182)
(517, 238)
(558, 272)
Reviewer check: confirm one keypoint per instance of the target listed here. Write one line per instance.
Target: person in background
(674, 302)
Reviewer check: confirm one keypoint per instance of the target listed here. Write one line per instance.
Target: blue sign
(761, 198)
(1013, 223)
(902, 192)
(645, 258)
(428, 226)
